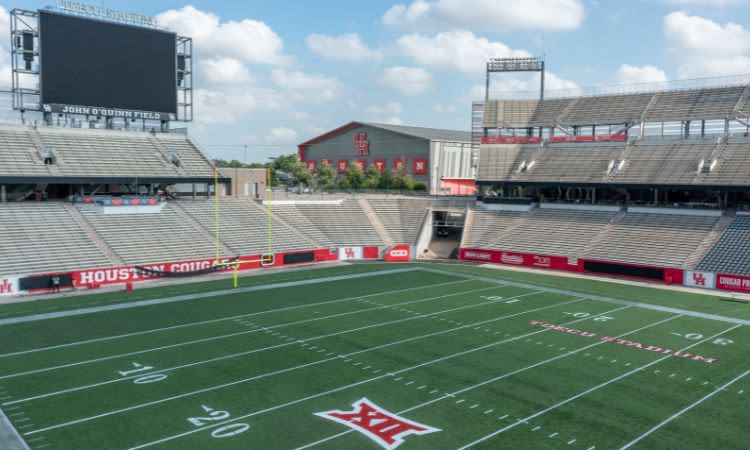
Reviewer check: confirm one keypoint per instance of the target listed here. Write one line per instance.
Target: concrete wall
(245, 183)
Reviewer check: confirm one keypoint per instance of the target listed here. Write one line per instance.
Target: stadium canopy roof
(430, 134)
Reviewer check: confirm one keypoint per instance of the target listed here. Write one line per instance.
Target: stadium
(575, 275)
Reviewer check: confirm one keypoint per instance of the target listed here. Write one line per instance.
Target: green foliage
(419, 186)
(234, 164)
(286, 163)
(301, 174)
(325, 176)
(372, 178)
(386, 180)
(354, 176)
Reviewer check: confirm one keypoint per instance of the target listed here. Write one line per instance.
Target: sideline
(599, 298)
(9, 437)
(203, 295)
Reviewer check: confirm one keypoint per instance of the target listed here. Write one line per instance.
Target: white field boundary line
(292, 343)
(9, 437)
(592, 389)
(225, 336)
(198, 296)
(221, 319)
(314, 363)
(359, 383)
(495, 379)
(684, 410)
(599, 298)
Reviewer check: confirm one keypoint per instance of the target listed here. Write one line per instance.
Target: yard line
(599, 298)
(268, 329)
(204, 322)
(597, 387)
(341, 388)
(198, 296)
(9, 437)
(686, 409)
(271, 374)
(305, 342)
(507, 374)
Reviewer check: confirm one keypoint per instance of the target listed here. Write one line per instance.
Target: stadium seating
(17, 153)
(662, 240)
(670, 162)
(730, 254)
(192, 160)
(502, 161)
(554, 232)
(667, 106)
(342, 224)
(402, 218)
(566, 162)
(244, 226)
(150, 238)
(43, 238)
(488, 226)
(733, 165)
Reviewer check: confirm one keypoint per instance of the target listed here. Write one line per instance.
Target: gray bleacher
(733, 165)
(662, 240)
(501, 161)
(488, 226)
(150, 238)
(344, 224)
(192, 160)
(402, 218)
(105, 153)
(16, 153)
(243, 226)
(554, 232)
(668, 162)
(43, 238)
(666, 106)
(731, 253)
(576, 162)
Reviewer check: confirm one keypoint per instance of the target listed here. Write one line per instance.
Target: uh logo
(385, 428)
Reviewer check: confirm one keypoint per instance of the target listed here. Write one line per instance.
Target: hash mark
(433, 391)
(688, 378)
(741, 391)
(421, 387)
(504, 417)
(460, 401)
(489, 411)
(571, 442)
(553, 435)
(705, 383)
(407, 384)
(365, 368)
(474, 406)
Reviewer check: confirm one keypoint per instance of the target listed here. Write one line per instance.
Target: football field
(378, 356)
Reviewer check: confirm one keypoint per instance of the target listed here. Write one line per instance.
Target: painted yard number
(495, 298)
(697, 337)
(583, 315)
(146, 379)
(217, 416)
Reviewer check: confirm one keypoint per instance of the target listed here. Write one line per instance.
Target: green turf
(441, 349)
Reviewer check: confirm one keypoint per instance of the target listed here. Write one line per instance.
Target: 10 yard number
(145, 379)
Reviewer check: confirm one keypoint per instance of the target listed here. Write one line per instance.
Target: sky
(272, 74)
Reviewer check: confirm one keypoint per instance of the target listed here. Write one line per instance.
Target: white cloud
(628, 74)
(281, 135)
(386, 113)
(347, 47)
(708, 2)
(486, 15)
(231, 105)
(458, 49)
(706, 48)
(531, 85)
(406, 80)
(444, 109)
(307, 87)
(224, 71)
(248, 40)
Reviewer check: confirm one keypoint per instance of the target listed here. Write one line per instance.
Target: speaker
(28, 41)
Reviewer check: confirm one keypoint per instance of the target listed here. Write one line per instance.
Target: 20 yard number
(217, 416)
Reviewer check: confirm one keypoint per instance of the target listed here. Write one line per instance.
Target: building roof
(430, 134)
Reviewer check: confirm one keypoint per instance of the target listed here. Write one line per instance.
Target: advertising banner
(521, 259)
(9, 286)
(706, 280)
(350, 253)
(398, 253)
(736, 283)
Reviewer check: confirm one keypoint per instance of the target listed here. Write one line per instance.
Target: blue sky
(270, 75)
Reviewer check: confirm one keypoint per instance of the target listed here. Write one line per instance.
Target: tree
(386, 180)
(354, 176)
(372, 178)
(402, 180)
(286, 163)
(300, 173)
(325, 176)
